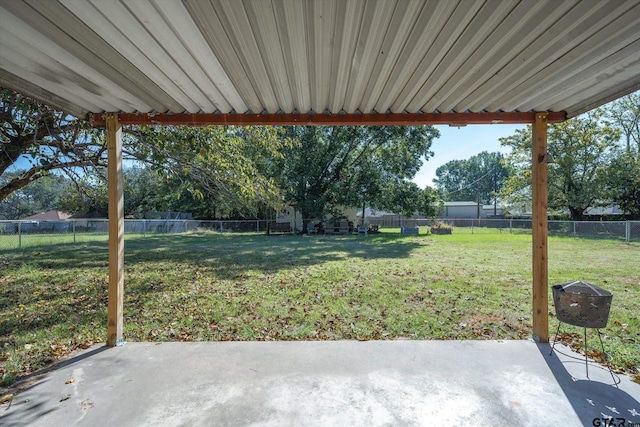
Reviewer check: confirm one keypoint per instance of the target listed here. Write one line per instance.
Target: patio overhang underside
(331, 62)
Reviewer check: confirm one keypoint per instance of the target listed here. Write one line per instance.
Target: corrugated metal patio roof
(283, 57)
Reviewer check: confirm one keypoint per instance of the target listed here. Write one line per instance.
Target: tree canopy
(624, 114)
(216, 169)
(597, 161)
(581, 148)
(41, 195)
(46, 140)
(622, 180)
(215, 162)
(478, 177)
(225, 163)
(329, 167)
(244, 171)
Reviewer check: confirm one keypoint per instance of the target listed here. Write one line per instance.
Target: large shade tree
(476, 178)
(36, 141)
(42, 140)
(581, 148)
(624, 113)
(623, 174)
(44, 194)
(408, 199)
(227, 163)
(623, 182)
(326, 168)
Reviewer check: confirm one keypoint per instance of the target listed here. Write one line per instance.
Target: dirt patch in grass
(492, 326)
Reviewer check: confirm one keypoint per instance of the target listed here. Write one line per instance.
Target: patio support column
(116, 230)
(540, 229)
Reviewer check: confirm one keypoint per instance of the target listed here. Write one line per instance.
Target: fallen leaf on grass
(86, 344)
(597, 355)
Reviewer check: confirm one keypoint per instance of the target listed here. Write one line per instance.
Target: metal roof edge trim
(388, 119)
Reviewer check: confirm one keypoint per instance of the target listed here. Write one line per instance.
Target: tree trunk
(576, 213)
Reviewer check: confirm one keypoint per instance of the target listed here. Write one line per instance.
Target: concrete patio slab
(341, 383)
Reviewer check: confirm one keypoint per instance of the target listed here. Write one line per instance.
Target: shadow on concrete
(594, 398)
(32, 410)
(307, 383)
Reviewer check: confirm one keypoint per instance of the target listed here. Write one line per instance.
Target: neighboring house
(597, 213)
(48, 216)
(468, 210)
(459, 210)
(371, 213)
(291, 215)
(490, 210)
(46, 222)
(168, 215)
(604, 211)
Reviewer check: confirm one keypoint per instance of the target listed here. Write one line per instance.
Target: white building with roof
(468, 210)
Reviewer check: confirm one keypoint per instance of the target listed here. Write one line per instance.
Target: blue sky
(462, 143)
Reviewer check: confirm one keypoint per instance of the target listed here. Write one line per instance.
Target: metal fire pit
(582, 304)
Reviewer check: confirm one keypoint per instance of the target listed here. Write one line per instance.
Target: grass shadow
(226, 255)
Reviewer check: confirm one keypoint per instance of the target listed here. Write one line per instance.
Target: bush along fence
(19, 234)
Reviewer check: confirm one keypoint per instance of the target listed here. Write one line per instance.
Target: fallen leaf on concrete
(67, 397)
(70, 381)
(6, 398)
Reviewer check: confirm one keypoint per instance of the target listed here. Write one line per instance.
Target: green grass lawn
(207, 286)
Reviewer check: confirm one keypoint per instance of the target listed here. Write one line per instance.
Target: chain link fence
(629, 231)
(20, 234)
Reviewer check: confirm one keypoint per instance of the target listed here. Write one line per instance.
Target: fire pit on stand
(582, 304)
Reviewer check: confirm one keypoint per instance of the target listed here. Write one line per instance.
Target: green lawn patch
(210, 286)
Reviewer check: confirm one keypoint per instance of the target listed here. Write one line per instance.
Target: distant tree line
(597, 164)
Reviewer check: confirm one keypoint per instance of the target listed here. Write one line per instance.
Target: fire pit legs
(606, 355)
(586, 352)
(555, 340)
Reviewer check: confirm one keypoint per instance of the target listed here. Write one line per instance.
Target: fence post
(627, 231)
(510, 225)
(19, 234)
(257, 225)
(574, 229)
(74, 231)
(144, 228)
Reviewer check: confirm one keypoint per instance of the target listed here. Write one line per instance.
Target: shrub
(441, 228)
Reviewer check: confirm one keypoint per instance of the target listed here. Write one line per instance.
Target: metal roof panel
(325, 56)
